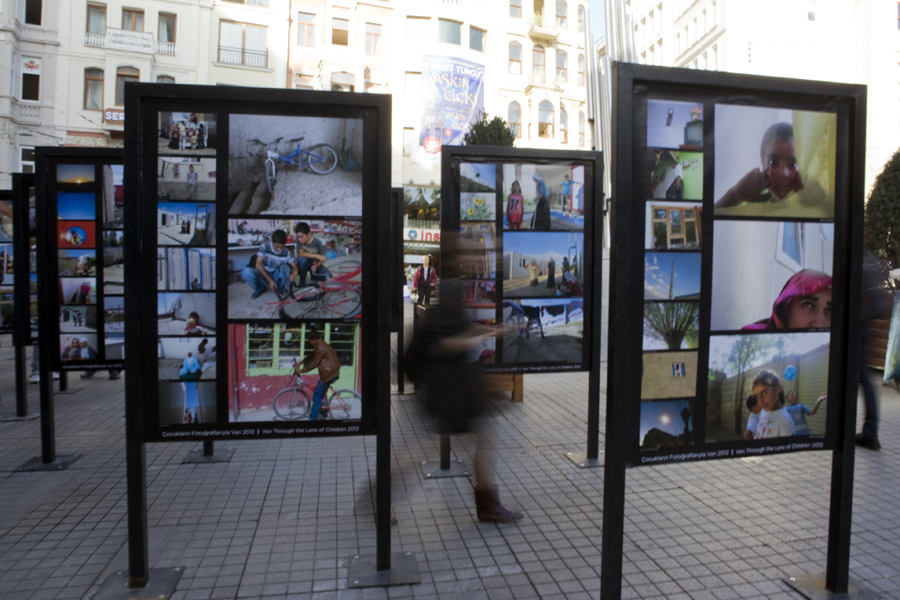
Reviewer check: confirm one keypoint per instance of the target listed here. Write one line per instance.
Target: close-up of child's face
(781, 167)
(277, 247)
(767, 396)
(516, 189)
(812, 311)
(791, 398)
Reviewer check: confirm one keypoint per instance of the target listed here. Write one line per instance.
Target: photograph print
(186, 358)
(78, 319)
(477, 192)
(186, 268)
(281, 165)
(543, 197)
(767, 385)
(114, 314)
(671, 276)
(674, 125)
(74, 347)
(187, 134)
(186, 223)
(675, 174)
(671, 325)
(543, 264)
(774, 162)
(666, 423)
(75, 291)
(75, 174)
(113, 196)
(770, 275)
(185, 178)
(293, 269)
(673, 225)
(74, 206)
(186, 314)
(545, 331)
(187, 402)
(77, 263)
(669, 374)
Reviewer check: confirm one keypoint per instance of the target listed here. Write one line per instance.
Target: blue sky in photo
(75, 207)
(484, 173)
(76, 253)
(544, 244)
(165, 301)
(658, 274)
(791, 343)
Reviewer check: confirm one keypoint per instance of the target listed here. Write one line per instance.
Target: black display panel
(258, 284)
(7, 261)
(523, 224)
(80, 200)
(25, 330)
(738, 203)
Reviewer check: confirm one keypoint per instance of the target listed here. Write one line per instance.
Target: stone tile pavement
(281, 520)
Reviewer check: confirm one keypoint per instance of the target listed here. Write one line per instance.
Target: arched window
(123, 75)
(545, 120)
(580, 19)
(564, 125)
(515, 58)
(561, 13)
(514, 119)
(581, 69)
(343, 82)
(537, 57)
(562, 65)
(580, 129)
(93, 89)
(165, 79)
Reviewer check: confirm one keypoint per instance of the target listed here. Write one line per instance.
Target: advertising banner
(452, 100)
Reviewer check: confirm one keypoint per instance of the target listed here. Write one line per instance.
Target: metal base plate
(61, 463)
(404, 571)
(813, 587)
(31, 417)
(431, 469)
(196, 457)
(581, 460)
(160, 586)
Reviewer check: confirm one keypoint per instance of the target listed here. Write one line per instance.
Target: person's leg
(254, 280)
(321, 272)
(318, 395)
(303, 265)
(35, 365)
(869, 436)
(193, 187)
(427, 295)
(487, 500)
(282, 276)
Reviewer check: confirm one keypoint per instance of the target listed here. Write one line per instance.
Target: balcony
(539, 80)
(122, 39)
(26, 113)
(239, 56)
(543, 29)
(165, 48)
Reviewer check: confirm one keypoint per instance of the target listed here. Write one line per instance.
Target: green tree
(671, 322)
(490, 132)
(882, 221)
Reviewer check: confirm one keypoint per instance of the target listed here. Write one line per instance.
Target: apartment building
(28, 47)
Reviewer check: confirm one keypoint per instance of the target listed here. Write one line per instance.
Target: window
(33, 10)
(373, 39)
(476, 38)
(132, 20)
(124, 75)
(515, 9)
(343, 82)
(675, 228)
(417, 29)
(537, 57)
(514, 119)
(26, 160)
(580, 129)
(340, 32)
(307, 25)
(581, 69)
(562, 63)
(678, 370)
(449, 32)
(412, 85)
(31, 78)
(166, 28)
(564, 125)
(515, 58)
(96, 19)
(93, 89)
(242, 44)
(545, 120)
(561, 12)
(580, 19)
(409, 140)
(790, 250)
(165, 79)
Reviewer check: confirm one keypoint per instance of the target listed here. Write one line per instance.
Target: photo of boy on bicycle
(326, 360)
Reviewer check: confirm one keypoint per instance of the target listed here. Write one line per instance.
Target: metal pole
(445, 452)
(63, 379)
(208, 449)
(21, 382)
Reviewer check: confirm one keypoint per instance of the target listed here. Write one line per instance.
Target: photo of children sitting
(185, 359)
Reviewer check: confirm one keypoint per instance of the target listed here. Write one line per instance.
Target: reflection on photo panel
(74, 347)
(281, 165)
(674, 124)
(186, 223)
(543, 264)
(477, 236)
(113, 196)
(774, 162)
(671, 325)
(673, 225)
(187, 358)
(545, 330)
(666, 423)
(186, 268)
(672, 276)
(675, 174)
(668, 375)
(767, 385)
(187, 402)
(187, 134)
(770, 275)
(546, 197)
(185, 178)
(186, 314)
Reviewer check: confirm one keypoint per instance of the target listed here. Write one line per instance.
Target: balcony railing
(239, 56)
(249, 2)
(165, 48)
(94, 39)
(136, 41)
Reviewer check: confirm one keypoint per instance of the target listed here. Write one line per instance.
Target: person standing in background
(425, 280)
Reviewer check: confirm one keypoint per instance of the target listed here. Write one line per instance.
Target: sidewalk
(283, 517)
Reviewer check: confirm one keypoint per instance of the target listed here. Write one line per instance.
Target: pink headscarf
(802, 283)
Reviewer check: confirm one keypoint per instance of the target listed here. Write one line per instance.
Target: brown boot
(489, 509)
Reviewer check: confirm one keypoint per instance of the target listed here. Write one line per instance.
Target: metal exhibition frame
(592, 163)
(145, 103)
(23, 187)
(633, 86)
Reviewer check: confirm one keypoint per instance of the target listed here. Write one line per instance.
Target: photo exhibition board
(263, 236)
(25, 331)
(7, 263)
(80, 193)
(734, 199)
(520, 226)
